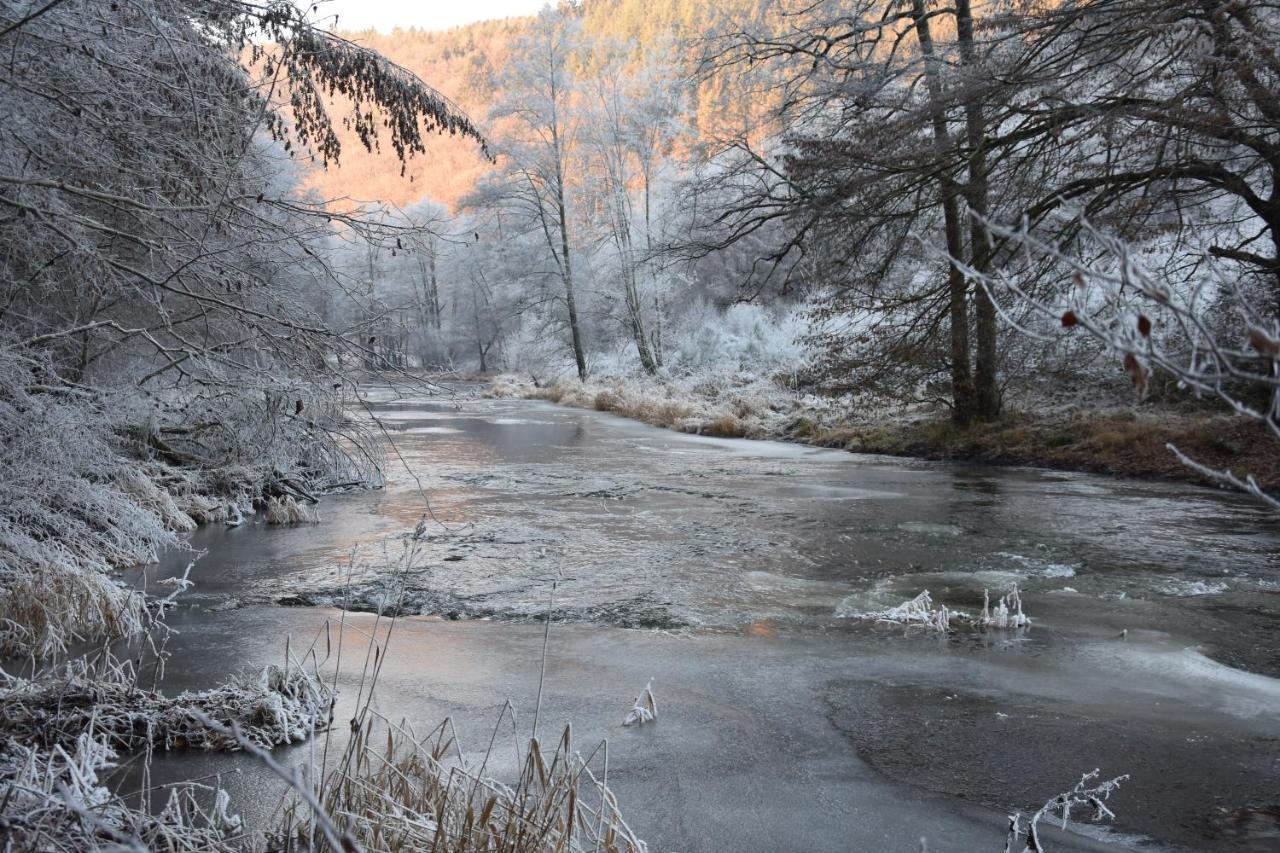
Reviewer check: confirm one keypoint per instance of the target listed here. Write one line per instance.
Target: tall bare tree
(540, 86)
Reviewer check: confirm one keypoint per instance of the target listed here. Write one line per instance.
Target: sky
(385, 15)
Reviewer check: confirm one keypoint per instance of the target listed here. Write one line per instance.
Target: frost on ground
(741, 405)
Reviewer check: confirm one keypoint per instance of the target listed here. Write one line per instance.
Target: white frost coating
(920, 611)
(645, 708)
(286, 510)
(1007, 613)
(917, 611)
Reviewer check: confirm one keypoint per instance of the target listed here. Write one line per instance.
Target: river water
(730, 573)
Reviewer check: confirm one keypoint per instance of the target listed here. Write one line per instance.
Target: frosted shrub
(745, 338)
(916, 611)
(1087, 793)
(71, 510)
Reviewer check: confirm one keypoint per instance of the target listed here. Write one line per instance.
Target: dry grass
(725, 426)
(44, 607)
(395, 792)
(287, 510)
(737, 416)
(1125, 444)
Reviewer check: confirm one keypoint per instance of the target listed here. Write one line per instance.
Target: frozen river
(729, 572)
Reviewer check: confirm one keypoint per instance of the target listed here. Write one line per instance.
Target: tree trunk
(987, 387)
(434, 294)
(962, 389)
(637, 324)
(475, 316)
(563, 217)
(578, 355)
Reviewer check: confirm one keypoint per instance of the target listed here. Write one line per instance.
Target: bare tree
(539, 87)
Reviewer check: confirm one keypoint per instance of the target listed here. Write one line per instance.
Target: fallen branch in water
(1093, 796)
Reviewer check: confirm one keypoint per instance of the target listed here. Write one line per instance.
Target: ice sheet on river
(765, 543)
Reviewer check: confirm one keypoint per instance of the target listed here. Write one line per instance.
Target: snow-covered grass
(738, 406)
(94, 481)
(62, 729)
(55, 800)
(105, 699)
(286, 510)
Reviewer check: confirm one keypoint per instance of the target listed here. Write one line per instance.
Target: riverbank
(1127, 439)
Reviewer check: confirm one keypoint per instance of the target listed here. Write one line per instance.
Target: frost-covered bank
(1123, 437)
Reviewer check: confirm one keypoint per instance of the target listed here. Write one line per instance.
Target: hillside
(462, 64)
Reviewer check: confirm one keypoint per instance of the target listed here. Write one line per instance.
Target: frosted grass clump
(1007, 613)
(921, 611)
(916, 611)
(55, 800)
(272, 706)
(403, 792)
(286, 510)
(644, 709)
(64, 728)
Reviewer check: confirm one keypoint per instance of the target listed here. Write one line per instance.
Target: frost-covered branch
(1149, 325)
(1087, 793)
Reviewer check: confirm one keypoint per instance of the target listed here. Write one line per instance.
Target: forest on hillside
(969, 213)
